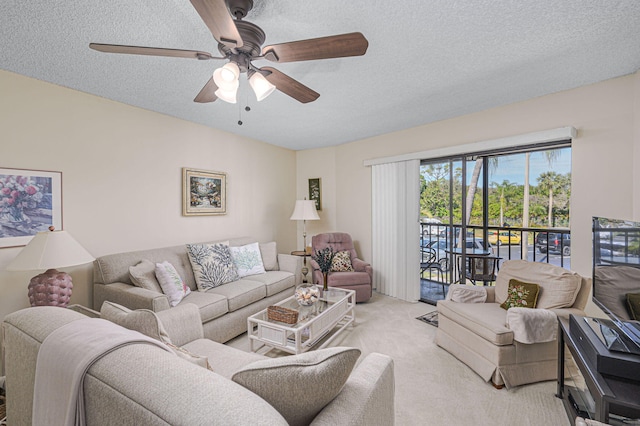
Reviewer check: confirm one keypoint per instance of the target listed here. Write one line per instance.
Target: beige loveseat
(477, 333)
(224, 310)
(143, 384)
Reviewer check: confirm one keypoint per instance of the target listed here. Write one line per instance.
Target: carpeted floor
(433, 387)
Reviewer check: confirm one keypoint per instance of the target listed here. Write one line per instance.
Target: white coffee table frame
(300, 337)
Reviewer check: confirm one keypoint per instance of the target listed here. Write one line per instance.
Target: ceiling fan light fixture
(227, 95)
(261, 86)
(226, 77)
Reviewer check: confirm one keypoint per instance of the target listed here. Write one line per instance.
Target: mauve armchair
(359, 280)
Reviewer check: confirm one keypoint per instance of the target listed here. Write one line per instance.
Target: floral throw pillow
(212, 265)
(171, 283)
(341, 262)
(521, 295)
(247, 259)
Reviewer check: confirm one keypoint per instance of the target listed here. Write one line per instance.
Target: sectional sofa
(144, 384)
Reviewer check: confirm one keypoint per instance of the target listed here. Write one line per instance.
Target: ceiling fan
(240, 42)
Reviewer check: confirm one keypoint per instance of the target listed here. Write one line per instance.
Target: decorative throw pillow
(247, 259)
(462, 293)
(521, 295)
(299, 386)
(141, 320)
(633, 302)
(171, 283)
(144, 275)
(269, 253)
(212, 265)
(341, 262)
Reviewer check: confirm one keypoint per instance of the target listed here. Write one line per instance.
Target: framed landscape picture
(315, 193)
(30, 202)
(203, 192)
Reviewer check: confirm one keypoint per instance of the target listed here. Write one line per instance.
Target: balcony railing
(549, 245)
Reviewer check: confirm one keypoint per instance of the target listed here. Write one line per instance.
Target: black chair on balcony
(430, 262)
(482, 268)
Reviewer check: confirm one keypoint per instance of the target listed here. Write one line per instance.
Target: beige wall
(603, 156)
(121, 175)
(318, 163)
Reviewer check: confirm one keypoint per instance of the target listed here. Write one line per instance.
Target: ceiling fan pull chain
(247, 108)
(240, 107)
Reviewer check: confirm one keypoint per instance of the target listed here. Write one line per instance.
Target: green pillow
(521, 295)
(633, 303)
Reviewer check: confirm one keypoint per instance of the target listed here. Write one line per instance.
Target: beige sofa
(142, 384)
(478, 335)
(224, 310)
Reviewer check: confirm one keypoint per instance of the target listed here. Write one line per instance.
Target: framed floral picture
(315, 193)
(30, 202)
(203, 192)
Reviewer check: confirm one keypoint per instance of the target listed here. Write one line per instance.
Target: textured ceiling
(427, 60)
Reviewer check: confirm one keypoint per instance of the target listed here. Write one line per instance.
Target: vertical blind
(396, 228)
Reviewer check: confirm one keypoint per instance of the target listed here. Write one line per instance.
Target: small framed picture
(30, 202)
(315, 192)
(203, 192)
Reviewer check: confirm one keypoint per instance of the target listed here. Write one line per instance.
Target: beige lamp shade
(48, 250)
(305, 210)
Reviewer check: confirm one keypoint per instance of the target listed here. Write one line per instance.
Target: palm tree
(473, 186)
(506, 190)
(551, 156)
(548, 182)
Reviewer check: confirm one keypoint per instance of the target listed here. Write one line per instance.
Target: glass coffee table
(332, 313)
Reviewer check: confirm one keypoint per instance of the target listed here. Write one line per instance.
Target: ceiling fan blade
(289, 86)
(216, 16)
(152, 51)
(207, 94)
(337, 46)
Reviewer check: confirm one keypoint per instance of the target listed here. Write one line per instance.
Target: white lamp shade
(305, 210)
(227, 76)
(50, 250)
(261, 86)
(226, 95)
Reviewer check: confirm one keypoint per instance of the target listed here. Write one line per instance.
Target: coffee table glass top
(306, 313)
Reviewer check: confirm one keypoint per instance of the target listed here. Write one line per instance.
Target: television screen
(616, 279)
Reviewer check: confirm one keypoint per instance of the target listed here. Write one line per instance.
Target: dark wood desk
(610, 396)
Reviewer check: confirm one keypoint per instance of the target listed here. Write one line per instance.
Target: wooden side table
(304, 256)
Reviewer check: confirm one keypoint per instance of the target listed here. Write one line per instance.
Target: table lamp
(305, 210)
(46, 251)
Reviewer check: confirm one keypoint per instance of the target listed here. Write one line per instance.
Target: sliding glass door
(497, 206)
(452, 219)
